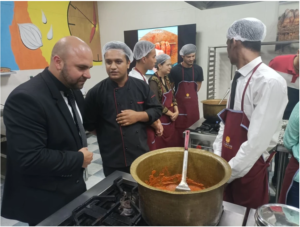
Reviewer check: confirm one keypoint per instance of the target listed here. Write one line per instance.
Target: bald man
(46, 143)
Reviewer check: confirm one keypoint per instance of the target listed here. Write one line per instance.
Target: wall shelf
(7, 73)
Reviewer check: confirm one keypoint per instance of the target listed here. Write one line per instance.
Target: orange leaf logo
(227, 139)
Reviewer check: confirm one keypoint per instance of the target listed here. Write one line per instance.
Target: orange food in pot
(165, 182)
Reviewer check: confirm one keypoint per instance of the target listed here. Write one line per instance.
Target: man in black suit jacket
(46, 157)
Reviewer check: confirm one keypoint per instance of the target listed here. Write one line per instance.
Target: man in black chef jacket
(118, 109)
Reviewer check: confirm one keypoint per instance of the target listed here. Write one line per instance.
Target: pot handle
(186, 139)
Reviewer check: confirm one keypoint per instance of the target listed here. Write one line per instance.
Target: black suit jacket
(44, 167)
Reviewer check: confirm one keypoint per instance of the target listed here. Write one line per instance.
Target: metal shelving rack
(211, 65)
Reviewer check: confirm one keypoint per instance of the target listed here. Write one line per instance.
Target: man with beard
(47, 147)
(187, 78)
(119, 109)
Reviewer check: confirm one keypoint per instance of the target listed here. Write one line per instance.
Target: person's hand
(174, 116)
(127, 117)
(157, 126)
(93, 132)
(159, 129)
(170, 113)
(87, 156)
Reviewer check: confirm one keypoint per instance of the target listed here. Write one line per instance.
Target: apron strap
(183, 73)
(162, 90)
(140, 73)
(161, 86)
(271, 157)
(248, 84)
(193, 73)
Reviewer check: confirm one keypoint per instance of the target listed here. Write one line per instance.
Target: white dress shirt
(264, 104)
(137, 75)
(85, 172)
(70, 108)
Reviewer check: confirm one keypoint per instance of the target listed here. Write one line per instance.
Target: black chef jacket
(120, 146)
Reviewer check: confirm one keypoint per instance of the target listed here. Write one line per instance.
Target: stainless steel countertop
(233, 215)
(251, 219)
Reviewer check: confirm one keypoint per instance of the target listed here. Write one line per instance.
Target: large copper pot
(168, 208)
(211, 108)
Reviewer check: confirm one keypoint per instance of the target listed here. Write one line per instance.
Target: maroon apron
(252, 190)
(290, 172)
(187, 100)
(151, 136)
(167, 139)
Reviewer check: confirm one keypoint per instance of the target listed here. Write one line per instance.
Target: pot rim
(222, 161)
(207, 102)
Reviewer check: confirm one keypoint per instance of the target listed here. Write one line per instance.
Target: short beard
(65, 76)
(189, 63)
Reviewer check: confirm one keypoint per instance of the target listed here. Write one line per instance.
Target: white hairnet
(188, 49)
(117, 45)
(160, 59)
(142, 48)
(247, 29)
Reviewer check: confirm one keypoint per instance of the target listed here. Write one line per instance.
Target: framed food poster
(288, 23)
(167, 40)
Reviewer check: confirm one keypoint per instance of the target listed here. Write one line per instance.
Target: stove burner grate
(119, 209)
(208, 127)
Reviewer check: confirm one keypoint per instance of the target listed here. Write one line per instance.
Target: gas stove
(114, 201)
(204, 136)
(209, 127)
(117, 206)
